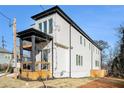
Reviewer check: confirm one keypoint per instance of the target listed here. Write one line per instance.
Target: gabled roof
(56, 9)
(3, 50)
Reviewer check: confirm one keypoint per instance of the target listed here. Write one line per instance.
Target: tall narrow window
(45, 26)
(40, 26)
(76, 60)
(50, 26)
(97, 63)
(93, 48)
(81, 60)
(80, 39)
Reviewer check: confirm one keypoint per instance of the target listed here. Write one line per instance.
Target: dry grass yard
(6, 82)
(107, 82)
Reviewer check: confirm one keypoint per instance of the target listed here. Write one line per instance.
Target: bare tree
(117, 67)
(104, 47)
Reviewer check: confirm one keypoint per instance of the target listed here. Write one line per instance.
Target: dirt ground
(105, 83)
(88, 82)
(6, 82)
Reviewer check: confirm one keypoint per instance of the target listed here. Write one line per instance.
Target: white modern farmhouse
(60, 45)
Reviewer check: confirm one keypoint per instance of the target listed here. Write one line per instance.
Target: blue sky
(99, 22)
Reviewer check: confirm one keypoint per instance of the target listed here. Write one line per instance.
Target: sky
(99, 22)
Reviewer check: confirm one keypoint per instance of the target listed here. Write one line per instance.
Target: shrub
(3, 68)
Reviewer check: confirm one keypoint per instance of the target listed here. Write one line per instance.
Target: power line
(9, 19)
(5, 16)
(42, 7)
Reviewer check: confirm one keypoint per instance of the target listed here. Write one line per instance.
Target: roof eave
(56, 9)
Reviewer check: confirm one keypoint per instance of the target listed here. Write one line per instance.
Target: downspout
(52, 61)
(101, 57)
(70, 51)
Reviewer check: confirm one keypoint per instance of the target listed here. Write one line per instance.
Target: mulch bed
(104, 83)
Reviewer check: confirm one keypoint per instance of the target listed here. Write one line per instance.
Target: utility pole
(14, 42)
(14, 39)
(3, 42)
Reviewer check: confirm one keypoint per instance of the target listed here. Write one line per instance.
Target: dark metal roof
(56, 9)
(40, 36)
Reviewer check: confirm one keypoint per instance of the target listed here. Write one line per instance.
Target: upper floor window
(40, 26)
(80, 39)
(50, 26)
(45, 26)
(93, 49)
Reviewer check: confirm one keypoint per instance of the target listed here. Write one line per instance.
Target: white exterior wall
(61, 55)
(61, 36)
(96, 57)
(80, 49)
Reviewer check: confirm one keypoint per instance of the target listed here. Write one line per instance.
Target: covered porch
(34, 41)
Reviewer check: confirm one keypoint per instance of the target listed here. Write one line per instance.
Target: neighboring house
(5, 56)
(75, 54)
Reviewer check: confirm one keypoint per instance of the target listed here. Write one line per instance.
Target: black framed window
(81, 40)
(45, 26)
(50, 26)
(40, 26)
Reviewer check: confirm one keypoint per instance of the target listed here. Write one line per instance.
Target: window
(81, 40)
(97, 63)
(76, 60)
(84, 42)
(93, 48)
(50, 26)
(45, 26)
(40, 26)
(79, 60)
(5, 57)
(8, 57)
